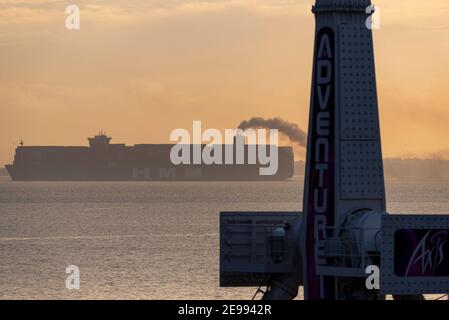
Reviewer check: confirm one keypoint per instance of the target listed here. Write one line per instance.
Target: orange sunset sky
(139, 69)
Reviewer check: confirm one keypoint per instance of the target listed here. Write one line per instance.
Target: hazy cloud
(139, 68)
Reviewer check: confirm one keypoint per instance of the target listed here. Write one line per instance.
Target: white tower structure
(344, 230)
(344, 175)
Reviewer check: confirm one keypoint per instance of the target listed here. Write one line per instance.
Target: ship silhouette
(103, 161)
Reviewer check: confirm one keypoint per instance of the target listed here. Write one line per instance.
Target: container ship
(104, 161)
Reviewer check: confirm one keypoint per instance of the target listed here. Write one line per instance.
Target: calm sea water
(143, 240)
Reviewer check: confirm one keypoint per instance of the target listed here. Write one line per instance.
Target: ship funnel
(239, 138)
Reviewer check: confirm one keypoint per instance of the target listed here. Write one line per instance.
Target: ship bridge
(101, 139)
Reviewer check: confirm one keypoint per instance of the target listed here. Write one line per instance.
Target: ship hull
(137, 163)
(143, 174)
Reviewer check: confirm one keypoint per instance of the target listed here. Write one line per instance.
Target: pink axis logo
(428, 254)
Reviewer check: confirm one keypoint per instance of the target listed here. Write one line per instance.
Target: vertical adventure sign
(320, 184)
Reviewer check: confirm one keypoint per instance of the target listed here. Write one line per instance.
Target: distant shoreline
(396, 168)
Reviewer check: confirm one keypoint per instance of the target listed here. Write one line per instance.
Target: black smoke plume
(291, 130)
